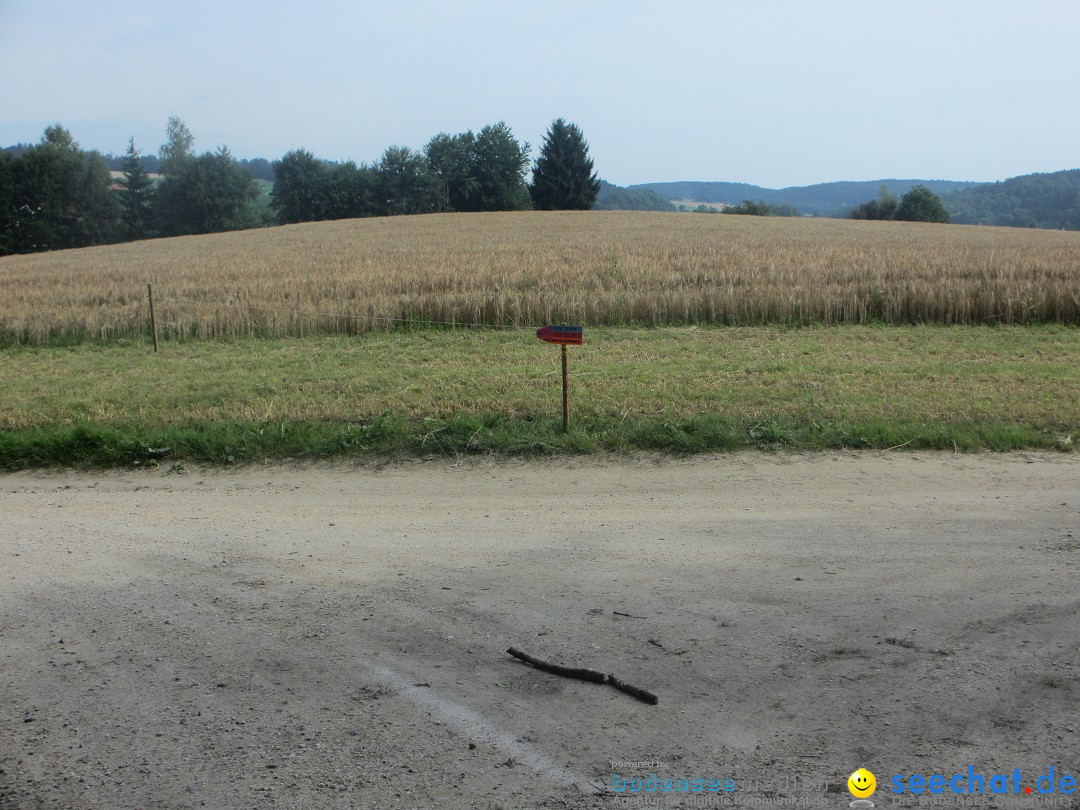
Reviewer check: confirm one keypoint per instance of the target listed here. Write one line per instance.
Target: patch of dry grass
(595, 268)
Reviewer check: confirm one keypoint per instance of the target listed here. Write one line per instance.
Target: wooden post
(563, 336)
(565, 393)
(153, 323)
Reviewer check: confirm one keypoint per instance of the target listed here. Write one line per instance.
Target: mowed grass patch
(681, 389)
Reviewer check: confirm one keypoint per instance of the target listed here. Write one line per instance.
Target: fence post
(565, 393)
(153, 323)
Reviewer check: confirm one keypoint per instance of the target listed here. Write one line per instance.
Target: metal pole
(153, 323)
(565, 393)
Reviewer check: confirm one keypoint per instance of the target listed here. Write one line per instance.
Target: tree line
(1050, 200)
(754, 209)
(54, 195)
(919, 204)
(466, 172)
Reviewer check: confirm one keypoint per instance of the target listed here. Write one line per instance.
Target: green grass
(445, 392)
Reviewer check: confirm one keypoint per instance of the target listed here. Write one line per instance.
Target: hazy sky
(772, 92)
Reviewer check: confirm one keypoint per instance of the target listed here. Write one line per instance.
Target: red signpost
(563, 336)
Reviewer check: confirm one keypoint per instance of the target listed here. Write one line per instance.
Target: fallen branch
(590, 675)
(657, 643)
(630, 689)
(627, 615)
(557, 669)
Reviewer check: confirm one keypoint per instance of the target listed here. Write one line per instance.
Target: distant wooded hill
(1030, 201)
(823, 199)
(616, 198)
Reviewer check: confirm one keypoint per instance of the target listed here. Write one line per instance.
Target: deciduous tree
(8, 202)
(451, 160)
(499, 169)
(884, 207)
(301, 187)
(178, 147)
(404, 185)
(353, 191)
(206, 194)
(920, 204)
(58, 197)
(484, 172)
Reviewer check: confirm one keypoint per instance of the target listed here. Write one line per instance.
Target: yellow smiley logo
(861, 783)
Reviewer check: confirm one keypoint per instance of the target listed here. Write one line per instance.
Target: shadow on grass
(389, 435)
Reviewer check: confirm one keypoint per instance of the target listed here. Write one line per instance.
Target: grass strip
(452, 392)
(237, 442)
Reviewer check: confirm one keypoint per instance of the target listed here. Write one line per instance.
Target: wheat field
(526, 269)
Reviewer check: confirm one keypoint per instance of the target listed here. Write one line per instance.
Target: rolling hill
(1029, 201)
(822, 199)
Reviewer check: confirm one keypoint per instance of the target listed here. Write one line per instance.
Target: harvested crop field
(333, 637)
(595, 268)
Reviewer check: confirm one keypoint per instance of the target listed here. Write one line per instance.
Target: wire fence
(360, 318)
(229, 314)
(171, 318)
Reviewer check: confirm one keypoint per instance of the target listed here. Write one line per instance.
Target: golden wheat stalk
(524, 269)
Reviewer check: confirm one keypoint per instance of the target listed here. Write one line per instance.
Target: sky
(770, 92)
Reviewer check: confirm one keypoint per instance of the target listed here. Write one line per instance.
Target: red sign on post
(561, 335)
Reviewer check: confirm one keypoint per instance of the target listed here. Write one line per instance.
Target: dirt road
(336, 637)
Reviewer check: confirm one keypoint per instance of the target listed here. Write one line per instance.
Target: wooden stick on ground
(640, 694)
(557, 669)
(586, 675)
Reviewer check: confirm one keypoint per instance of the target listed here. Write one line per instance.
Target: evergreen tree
(136, 199)
(564, 178)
